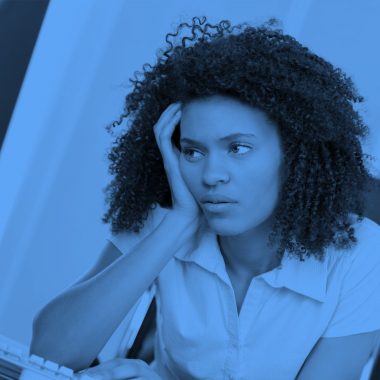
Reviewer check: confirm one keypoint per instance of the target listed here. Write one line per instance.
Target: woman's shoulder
(358, 304)
(125, 240)
(367, 233)
(364, 256)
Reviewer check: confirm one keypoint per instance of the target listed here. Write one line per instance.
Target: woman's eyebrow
(229, 137)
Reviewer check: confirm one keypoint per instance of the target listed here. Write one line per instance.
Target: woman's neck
(248, 254)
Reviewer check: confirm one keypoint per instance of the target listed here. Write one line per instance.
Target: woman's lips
(218, 207)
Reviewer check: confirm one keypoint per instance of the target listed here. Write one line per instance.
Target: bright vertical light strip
(296, 16)
(64, 63)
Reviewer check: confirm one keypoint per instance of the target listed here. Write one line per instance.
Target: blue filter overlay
(191, 191)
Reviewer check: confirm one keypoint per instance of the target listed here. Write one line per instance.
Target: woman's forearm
(74, 327)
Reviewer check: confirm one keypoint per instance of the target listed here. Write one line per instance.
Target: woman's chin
(222, 227)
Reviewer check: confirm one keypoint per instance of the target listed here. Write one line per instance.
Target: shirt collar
(308, 278)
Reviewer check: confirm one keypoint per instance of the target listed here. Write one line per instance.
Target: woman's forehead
(222, 114)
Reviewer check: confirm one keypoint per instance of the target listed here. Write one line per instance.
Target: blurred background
(64, 70)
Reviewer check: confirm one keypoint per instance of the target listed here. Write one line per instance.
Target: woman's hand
(182, 199)
(120, 369)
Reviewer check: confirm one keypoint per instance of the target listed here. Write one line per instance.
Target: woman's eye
(242, 145)
(236, 148)
(187, 152)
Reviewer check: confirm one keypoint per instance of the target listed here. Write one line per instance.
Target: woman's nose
(214, 171)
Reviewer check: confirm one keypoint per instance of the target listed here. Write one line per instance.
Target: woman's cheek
(185, 172)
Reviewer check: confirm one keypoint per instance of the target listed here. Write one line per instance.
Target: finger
(94, 372)
(166, 116)
(169, 151)
(162, 126)
(171, 108)
(104, 368)
(122, 368)
(164, 140)
(128, 371)
(96, 375)
(168, 129)
(168, 112)
(117, 369)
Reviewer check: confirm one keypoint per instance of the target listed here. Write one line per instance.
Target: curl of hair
(310, 100)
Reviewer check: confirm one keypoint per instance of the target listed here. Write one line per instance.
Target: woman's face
(246, 168)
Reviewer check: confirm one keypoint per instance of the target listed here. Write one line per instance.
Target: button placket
(256, 298)
(233, 354)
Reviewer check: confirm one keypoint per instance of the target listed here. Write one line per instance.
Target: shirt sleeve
(358, 308)
(125, 241)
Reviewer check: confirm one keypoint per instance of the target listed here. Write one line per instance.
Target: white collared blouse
(285, 311)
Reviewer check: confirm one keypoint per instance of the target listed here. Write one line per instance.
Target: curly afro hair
(310, 100)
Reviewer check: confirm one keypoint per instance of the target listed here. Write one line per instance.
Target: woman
(269, 283)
